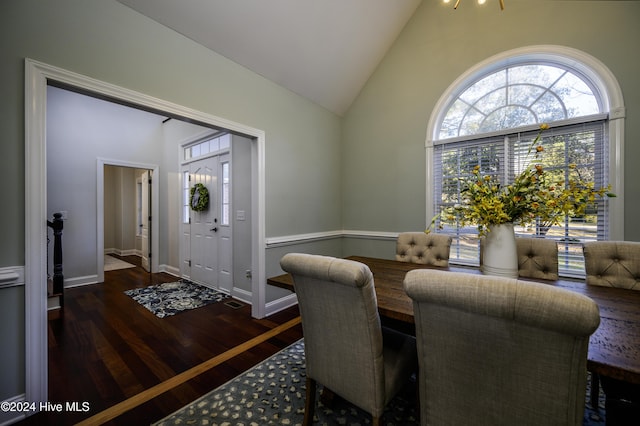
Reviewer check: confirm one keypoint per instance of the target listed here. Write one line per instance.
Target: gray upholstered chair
(612, 264)
(346, 348)
(499, 351)
(537, 258)
(420, 247)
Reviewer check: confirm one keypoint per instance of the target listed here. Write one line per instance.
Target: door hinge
(189, 262)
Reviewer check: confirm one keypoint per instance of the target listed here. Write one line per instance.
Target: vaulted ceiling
(324, 50)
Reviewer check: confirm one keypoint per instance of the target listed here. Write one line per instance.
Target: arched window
(488, 119)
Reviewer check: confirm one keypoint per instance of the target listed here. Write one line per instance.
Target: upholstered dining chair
(346, 348)
(612, 263)
(537, 258)
(499, 351)
(420, 247)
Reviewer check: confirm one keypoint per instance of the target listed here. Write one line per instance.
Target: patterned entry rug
(273, 393)
(171, 298)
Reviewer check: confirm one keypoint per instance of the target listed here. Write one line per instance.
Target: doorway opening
(128, 212)
(38, 77)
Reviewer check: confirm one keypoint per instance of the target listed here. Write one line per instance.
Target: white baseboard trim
(280, 304)
(271, 307)
(11, 417)
(120, 252)
(11, 276)
(171, 270)
(80, 281)
(53, 303)
(242, 295)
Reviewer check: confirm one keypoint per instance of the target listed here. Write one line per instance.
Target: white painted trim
(243, 295)
(258, 208)
(301, 238)
(36, 369)
(11, 417)
(53, 303)
(37, 76)
(288, 240)
(171, 270)
(120, 252)
(155, 209)
(11, 276)
(82, 281)
(374, 235)
(282, 304)
(593, 69)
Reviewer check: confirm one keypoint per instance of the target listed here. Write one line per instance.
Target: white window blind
(504, 156)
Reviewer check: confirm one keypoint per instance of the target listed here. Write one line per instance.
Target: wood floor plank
(118, 369)
(104, 346)
(182, 378)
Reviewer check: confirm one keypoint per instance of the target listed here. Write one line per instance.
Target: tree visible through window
(518, 96)
(491, 124)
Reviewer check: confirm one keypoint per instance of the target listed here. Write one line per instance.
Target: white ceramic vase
(500, 255)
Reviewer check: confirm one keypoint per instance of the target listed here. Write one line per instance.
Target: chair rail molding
(11, 276)
(287, 240)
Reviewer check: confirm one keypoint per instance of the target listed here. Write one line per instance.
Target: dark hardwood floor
(105, 348)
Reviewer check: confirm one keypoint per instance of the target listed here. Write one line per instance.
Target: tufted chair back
(613, 264)
(493, 350)
(537, 258)
(427, 249)
(346, 348)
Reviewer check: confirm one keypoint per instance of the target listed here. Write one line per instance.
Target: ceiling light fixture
(479, 2)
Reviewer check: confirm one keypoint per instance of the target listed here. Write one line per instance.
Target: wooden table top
(614, 349)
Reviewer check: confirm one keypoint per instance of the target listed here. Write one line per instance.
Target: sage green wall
(379, 143)
(385, 129)
(110, 42)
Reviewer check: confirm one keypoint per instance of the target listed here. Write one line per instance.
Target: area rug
(273, 393)
(112, 263)
(171, 298)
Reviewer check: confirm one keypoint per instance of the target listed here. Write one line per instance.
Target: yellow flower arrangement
(534, 195)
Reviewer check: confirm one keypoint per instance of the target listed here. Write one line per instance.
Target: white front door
(204, 244)
(145, 225)
(206, 248)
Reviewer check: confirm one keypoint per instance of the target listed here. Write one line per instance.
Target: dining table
(614, 348)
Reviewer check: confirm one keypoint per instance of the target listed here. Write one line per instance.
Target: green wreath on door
(199, 197)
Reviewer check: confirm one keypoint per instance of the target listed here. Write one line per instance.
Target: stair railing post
(58, 278)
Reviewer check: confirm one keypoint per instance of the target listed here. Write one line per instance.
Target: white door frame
(155, 210)
(37, 76)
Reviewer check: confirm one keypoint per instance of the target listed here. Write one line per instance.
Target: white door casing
(153, 208)
(146, 221)
(37, 77)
